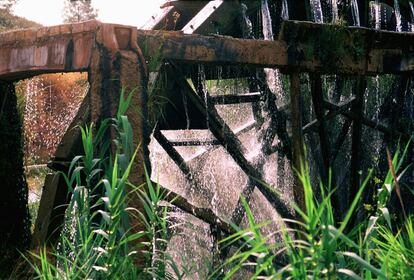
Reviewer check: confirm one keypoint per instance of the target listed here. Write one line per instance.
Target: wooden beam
(361, 51)
(205, 214)
(173, 154)
(317, 100)
(333, 112)
(370, 123)
(358, 109)
(212, 49)
(340, 139)
(231, 143)
(187, 143)
(297, 137)
(235, 98)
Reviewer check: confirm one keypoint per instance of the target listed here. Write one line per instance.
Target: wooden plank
(358, 109)
(235, 98)
(231, 143)
(187, 143)
(217, 17)
(370, 123)
(333, 112)
(51, 210)
(41, 229)
(340, 139)
(212, 49)
(174, 15)
(297, 136)
(360, 51)
(317, 100)
(206, 12)
(173, 154)
(159, 20)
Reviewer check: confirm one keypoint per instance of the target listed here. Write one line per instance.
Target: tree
(78, 10)
(7, 4)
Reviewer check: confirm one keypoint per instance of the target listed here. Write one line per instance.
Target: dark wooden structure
(183, 35)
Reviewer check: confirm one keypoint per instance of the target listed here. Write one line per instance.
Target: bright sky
(130, 12)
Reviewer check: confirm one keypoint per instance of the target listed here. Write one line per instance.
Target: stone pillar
(118, 64)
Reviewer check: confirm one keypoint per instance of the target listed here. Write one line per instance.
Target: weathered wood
(50, 216)
(333, 112)
(340, 139)
(360, 51)
(216, 16)
(212, 49)
(297, 136)
(358, 109)
(231, 143)
(186, 143)
(205, 214)
(172, 153)
(235, 98)
(317, 100)
(370, 123)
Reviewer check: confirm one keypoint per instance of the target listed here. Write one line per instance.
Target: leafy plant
(97, 241)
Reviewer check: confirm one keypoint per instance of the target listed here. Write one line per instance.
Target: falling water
(398, 26)
(267, 21)
(335, 14)
(412, 15)
(377, 11)
(186, 111)
(285, 10)
(272, 75)
(355, 12)
(202, 81)
(316, 9)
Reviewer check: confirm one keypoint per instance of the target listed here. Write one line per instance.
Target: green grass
(98, 242)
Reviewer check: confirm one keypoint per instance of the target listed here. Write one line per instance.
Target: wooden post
(358, 109)
(317, 100)
(297, 135)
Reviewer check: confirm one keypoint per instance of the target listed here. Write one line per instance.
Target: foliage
(97, 241)
(313, 247)
(78, 10)
(10, 22)
(7, 4)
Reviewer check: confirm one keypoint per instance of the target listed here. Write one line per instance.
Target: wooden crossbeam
(231, 143)
(367, 122)
(173, 154)
(358, 109)
(235, 98)
(208, 16)
(187, 143)
(298, 153)
(347, 50)
(317, 100)
(333, 112)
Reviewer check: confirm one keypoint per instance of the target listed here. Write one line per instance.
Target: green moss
(332, 44)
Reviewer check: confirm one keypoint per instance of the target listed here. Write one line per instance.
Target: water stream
(398, 25)
(355, 13)
(316, 10)
(335, 13)
(412, 15)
